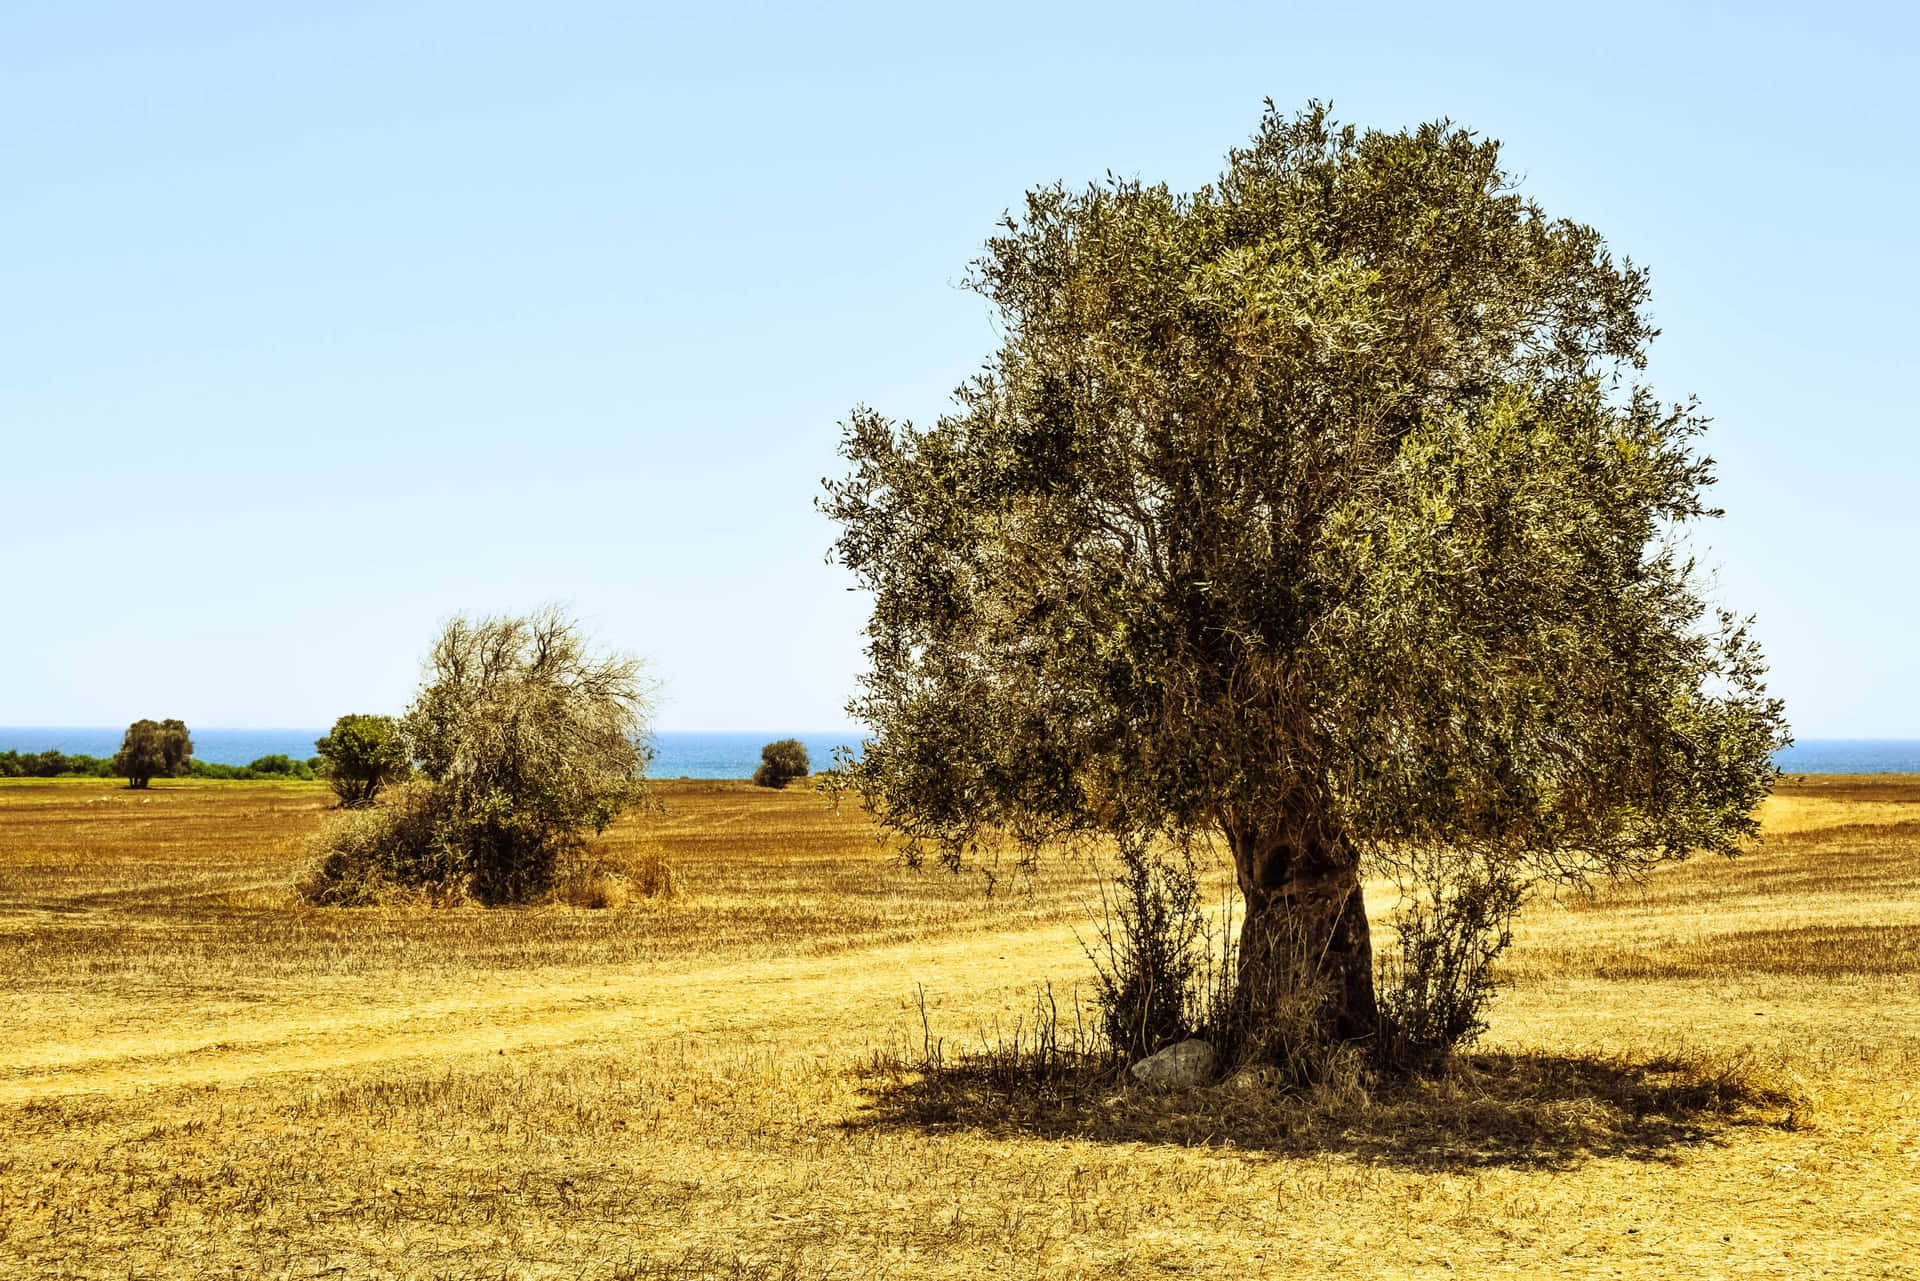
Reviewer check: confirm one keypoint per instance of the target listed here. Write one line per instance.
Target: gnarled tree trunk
(1306, 954)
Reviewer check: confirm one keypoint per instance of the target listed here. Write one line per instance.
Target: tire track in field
(841, 995)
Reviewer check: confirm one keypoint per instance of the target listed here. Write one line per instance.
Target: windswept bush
(781, 762)
(527, 745)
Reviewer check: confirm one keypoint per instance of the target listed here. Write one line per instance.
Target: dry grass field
(1715, 1073)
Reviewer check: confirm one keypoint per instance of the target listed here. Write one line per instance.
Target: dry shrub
(603, 878)
(1149, 953)
(654, 876)
(1453, 923)
(602, 893)
(397, 852)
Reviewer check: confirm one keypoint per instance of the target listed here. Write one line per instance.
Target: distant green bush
(51, 764)
(266, 767)
(362, 755)
(214, 769)
(781, 762)
(280, 765)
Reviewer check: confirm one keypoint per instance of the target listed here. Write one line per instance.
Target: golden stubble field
(1713, 1074)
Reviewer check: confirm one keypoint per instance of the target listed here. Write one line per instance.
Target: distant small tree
(781, 762)
(362, 755)
(153, 749)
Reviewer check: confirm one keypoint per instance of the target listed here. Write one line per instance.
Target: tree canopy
(1321, 511)
(153, 749)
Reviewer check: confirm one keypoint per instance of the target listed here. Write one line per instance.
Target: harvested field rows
(1714, 1073)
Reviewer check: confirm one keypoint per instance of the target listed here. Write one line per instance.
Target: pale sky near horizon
(322, 326)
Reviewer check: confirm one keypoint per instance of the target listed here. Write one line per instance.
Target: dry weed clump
(395, 855)
(609, 876)
(392, 854)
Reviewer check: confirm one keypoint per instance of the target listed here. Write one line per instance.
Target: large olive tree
(1318, 511)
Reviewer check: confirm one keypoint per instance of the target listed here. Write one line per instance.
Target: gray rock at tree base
(1178, 1067)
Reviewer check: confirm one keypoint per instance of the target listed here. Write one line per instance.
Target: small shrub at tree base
(1453, 924)
(781, 762)
(1161, 974)
(1151, 952)
(362, 755)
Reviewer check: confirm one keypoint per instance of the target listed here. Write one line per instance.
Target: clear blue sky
(319, 328)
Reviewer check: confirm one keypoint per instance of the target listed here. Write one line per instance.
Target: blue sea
(1851, 756)
(688, 754)
(675, 755)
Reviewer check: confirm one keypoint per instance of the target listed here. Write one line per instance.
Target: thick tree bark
(1306, 952)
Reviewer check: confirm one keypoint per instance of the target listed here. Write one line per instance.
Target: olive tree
(153, 749)
(361, 755)
(1318, 515)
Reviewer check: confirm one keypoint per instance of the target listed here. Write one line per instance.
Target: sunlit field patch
(1715, 1072)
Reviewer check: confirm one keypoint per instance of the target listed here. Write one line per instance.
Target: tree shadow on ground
(1532, 1110)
